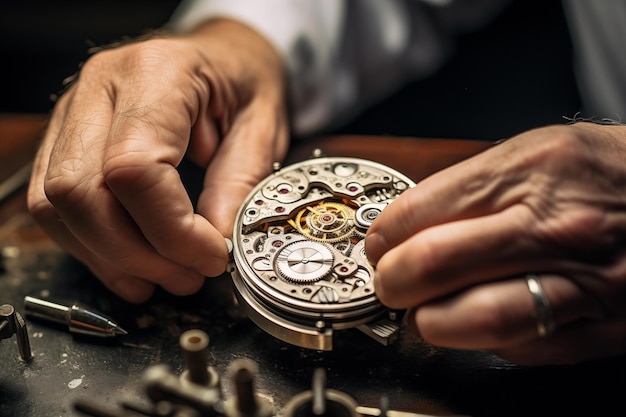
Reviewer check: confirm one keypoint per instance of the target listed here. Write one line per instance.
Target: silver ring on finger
(543, 310)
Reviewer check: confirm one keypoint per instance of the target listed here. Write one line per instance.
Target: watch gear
(326, 222)
(299, 268)
(304, 262)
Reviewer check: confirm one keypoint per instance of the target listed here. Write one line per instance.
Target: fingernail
(372, 247)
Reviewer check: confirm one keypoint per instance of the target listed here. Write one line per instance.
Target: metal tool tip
(119, 331)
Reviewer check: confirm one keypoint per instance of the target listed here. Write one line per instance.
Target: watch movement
(299, 269)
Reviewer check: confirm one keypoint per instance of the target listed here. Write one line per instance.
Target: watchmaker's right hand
(105, 185)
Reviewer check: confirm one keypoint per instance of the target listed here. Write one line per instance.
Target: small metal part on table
(12, 323)
(246, 402)
(195, 345)
(321, 401)
(183, 395)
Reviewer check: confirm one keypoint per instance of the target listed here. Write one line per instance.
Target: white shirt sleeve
(341, 56)
(598, 31)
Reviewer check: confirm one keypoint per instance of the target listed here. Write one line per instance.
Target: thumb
(244, 157)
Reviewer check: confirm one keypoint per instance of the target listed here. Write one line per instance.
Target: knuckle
(62, 188)
(565, 143)
(151, 51)
(124, 168)
(95, 63)
(136, 60)
(150, 55)
(40, 208)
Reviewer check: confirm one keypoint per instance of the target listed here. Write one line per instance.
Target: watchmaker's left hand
(105, 185)
(455, 249)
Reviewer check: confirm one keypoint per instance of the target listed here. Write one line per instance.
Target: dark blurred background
(512, 75)
(42, 41)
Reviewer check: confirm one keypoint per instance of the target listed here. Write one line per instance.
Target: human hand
(105, 185)
(454, 250)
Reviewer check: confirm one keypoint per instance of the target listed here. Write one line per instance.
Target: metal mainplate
(298, 244)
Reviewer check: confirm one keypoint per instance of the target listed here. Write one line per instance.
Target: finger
(419, 208)
(448, 258)
(76, 187)
(36, 197)
(38, 204)
(474, 187)
(500, 315)
(132, 289)
(146, 144)
(578, 342)
(257, 140)
(144, 179)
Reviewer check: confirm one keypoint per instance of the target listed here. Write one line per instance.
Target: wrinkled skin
(454, 249)
(105, 184)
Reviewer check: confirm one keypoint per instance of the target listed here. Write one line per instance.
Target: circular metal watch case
(300, 270)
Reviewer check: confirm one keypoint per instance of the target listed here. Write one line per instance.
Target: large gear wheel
(304, 262)
(326, 222)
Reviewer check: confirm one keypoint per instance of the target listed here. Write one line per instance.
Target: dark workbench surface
(416, 377)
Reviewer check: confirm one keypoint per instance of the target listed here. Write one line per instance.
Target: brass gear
(326, 222)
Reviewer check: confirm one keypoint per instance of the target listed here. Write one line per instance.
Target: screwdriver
(78, 318)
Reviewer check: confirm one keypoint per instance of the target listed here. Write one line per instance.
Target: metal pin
(384, 405)
(12, 322)
(243, 373)
(317, 153)
(246, 402)
(161, 384)
(195, 345)
(21, 333)
(229, 245)
(318, 387)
